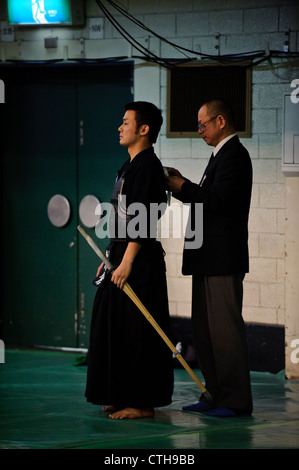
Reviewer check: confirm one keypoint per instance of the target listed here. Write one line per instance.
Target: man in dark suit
(218, 267)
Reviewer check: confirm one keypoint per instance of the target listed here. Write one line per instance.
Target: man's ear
(144, 129)
(222, 121)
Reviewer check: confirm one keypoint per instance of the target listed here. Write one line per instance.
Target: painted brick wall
(214, 27)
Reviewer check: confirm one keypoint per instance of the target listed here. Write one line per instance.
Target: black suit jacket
(225, 191)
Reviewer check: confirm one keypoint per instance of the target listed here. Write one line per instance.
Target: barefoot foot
(133, 413)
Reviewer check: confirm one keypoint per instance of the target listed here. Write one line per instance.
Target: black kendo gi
(129, 365)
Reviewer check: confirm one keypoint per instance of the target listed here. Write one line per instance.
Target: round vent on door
(59, 210)
(87, 211)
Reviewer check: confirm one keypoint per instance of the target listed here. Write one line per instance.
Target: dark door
(100, 113)
(60, 139)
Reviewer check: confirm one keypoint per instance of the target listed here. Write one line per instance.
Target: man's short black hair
(217, 105)
(147, 113)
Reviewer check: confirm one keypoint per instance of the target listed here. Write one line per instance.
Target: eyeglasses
(201, 126)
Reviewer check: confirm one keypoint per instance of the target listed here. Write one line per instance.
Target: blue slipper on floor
(225, 413)
(200, 407)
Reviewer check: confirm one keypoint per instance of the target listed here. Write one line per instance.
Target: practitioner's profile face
(128, 133)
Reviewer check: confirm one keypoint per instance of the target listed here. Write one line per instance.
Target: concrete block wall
(242, 27)
(214, 27)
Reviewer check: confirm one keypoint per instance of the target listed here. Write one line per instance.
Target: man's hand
(173, 171)
(121, 274)
(174, 181)
(123, 271)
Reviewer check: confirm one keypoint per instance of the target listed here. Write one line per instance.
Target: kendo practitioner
(130, 368)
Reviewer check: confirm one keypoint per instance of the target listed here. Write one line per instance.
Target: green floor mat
(43, 407)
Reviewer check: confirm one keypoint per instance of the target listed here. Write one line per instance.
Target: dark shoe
(226, 413)
(200, 407)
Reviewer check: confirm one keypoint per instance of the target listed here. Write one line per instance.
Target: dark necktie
(205, 173)
(211, 158)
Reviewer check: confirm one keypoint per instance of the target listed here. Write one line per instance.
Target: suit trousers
(220, 340)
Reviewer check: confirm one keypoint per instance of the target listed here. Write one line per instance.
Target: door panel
(40, 263)
(101, 99)
(48, 270)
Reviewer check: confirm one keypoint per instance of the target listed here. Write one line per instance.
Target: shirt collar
(218, 147)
